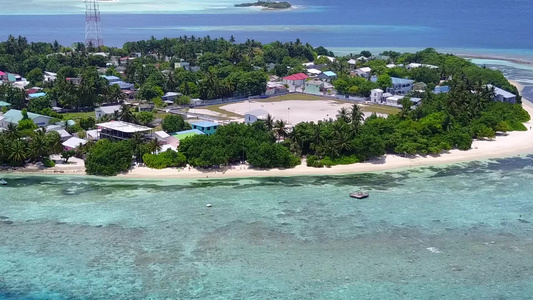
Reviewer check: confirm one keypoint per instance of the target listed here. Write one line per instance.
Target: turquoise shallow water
(454, 232)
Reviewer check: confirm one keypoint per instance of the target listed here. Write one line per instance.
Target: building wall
(313, 89)
(249, 118)
(207, 130)
(41, 121)
(376, 96)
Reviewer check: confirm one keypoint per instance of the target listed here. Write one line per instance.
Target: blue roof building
(327, 76)
(112, 79)
(400, 86)
(124, 85)
(206, 127)
(441, 89)
(36, 95)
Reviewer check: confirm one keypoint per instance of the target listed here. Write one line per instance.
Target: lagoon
(457, 231)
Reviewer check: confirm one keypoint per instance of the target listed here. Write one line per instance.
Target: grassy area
(77, 115)
(224, 114)
(380, 109)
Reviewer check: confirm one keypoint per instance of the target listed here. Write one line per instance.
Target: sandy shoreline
(511, 144)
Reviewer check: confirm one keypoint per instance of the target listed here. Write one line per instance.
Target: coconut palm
(137, 143)
(38, 146)
(54, 142)
(279, 128)
(356, 118)
(126, 114)
(269, 122)
(12, 132)
(343, 114)
(19, 151)
(153, 146)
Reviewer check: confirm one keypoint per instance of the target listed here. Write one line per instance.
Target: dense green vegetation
(228, 69)
(25, 143)
(266, 4)
(236, 143)
(108, 158)
(165, 159)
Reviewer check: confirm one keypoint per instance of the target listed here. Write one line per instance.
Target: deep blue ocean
(476, 26)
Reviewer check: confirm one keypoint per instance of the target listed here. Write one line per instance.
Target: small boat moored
(359, 195)
(3, 182)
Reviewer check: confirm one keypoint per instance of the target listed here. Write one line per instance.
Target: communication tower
(93, 31)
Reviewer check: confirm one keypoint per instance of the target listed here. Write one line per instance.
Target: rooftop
(299, 76)
(74, 142)
(205, 124)
(37, 95)
(330, 74)
(111, 78)
(396, 80)
(2, 104)
(365, 69)
(314, 82)
(110, 109)
(124, 127)
(502, 92)
(186, 133)
(15, 115)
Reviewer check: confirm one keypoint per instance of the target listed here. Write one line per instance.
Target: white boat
(3, 182)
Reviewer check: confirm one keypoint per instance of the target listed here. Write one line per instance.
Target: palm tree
(153, 146)
(269, 122)
(343, 114)
(105, 118)
(19, 151)
(4, 147)
(54, 142)
(126, 115)
(12, 132)
(137, 142)
(342, 141)
(279, 127)
(38, 146)
(356, 118)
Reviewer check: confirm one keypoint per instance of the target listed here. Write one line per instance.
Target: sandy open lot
(293, 111)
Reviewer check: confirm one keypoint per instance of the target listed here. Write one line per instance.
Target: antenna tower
(93, 31)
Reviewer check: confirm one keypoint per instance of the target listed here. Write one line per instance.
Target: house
(441, 89)
(364, 72)
(313, 72)
(501, 95)
(255, 115)
(49, 76)
(327, 76)
(420, 86)
(111, 79)
(146, 107)
(13, 116)
(4, 104)
(395, 101)
(417, 65)
(74, 80)
(390, 66)
(73, 143)
(331, 59)
(206, 127)
(182, 65)
(400, 86)
(314, 87)
(119, 130)
(275, 88)
(93, 134)
(382, 57)
(352, 63)
(170, 96)
(125, 86)
(106, 111)
(295, 81)
(378, 96)
(36, 95)
(3, 76)
(168, 141)
(17, 80)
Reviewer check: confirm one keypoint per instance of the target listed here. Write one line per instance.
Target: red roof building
(294, 77)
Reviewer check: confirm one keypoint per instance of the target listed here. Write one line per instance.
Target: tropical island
(193, 106)
(266, 4)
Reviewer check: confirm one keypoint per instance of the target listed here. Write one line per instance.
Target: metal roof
(37, 95)
(15, 115)
(186, 133)
(108, 110)
(330, 74)
(299, 76)
(74, 142)
(205, 124)
(124, 127)
(501, 92)
(396, 80)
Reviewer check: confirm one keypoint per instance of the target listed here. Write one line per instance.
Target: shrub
(165, 159)
(48, 163)
(108, 158)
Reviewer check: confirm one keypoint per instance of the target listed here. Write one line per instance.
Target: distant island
(266, 4)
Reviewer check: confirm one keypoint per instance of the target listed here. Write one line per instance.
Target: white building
(295, 81)
(363, 72)
(49, 76)
(255, 115)
(378, 96)
(400, 86)
(73, 143)
(183, 65)
(501, 95)
(106, 111)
